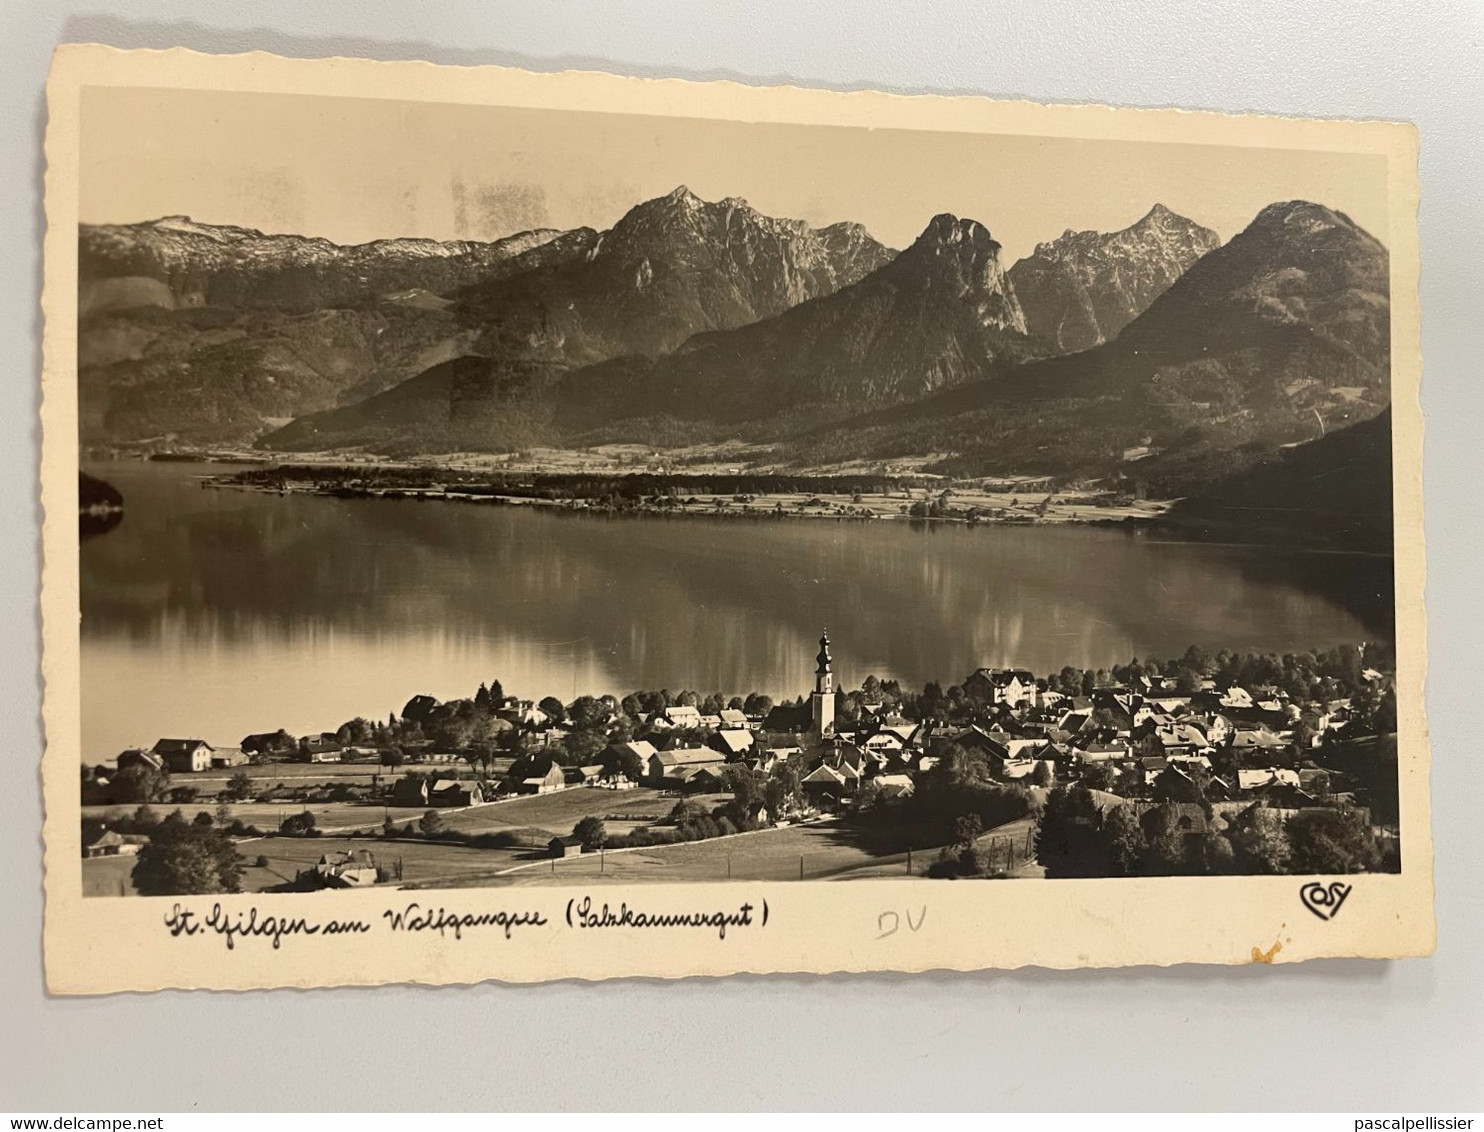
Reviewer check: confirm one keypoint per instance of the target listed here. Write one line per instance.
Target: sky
(352, 170)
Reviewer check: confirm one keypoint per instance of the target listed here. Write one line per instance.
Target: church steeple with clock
(823, 699)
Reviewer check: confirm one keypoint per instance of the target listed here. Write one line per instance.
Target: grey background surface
(1333, 1035)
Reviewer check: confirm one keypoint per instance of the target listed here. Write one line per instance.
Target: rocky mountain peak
(1297, 265)
(959, 256)
(1302, 216)
(947, 230)
(1082, 288)
(719, 251)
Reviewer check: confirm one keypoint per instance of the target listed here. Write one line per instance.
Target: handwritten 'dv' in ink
(889, 922)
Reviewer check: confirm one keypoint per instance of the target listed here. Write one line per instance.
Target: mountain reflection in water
(219, 613)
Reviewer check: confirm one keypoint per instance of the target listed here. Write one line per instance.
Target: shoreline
(716, 490)
(725, 489)
(831, 506)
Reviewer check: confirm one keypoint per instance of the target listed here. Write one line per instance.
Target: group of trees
(952, 803)
(1080, 835)
(755, 797)
(1318, 676)
(182, 857)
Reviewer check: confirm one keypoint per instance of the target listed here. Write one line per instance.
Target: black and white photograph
(510, 496)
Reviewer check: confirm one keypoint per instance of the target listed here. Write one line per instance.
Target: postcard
(539, 526)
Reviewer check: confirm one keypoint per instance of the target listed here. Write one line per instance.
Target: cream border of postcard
(532, 934)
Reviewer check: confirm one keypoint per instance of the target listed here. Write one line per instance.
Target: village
(1148, 769)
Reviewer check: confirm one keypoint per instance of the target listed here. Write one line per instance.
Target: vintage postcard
(541, 526)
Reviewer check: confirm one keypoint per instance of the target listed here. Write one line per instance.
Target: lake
(215, 613)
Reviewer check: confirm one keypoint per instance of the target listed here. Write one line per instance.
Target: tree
(581, 748)
(1328, 841)
(1069, 838)
(183, 859)
(868, 797)
(553, 709)
(298, 825)
(139, 783)
(1126, 844)
(587, 712)
(1098, 776)
(480, 758)
(203, 819)
(1165, 840)
(392, 757)
(626, 762)
(1260, 842)
(966, 830)
(430, 824)
(782, 790)
(756, 704)
(591, 831)
(239, 787)
(1042, 775)
(453, 733)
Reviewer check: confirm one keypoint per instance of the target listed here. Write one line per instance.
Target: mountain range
(1152, 354)
(1080, 290)
(1273, 337)
(211, 334)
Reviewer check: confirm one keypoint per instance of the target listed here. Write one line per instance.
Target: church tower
(823, 699)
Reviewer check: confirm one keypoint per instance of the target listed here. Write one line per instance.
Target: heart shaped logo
(1324, 900)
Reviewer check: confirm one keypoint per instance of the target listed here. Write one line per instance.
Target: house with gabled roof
(732, 743)
(566, 845)
(184, 756)
(1009, 686)
(451, 792)
(538, 776)
(1255, 778)
(1101, 752)
(346, 869)
(111, 843)
(827, 784)
(682, 716)
(1259, 739)
(223, 758)
(1174, 784)
(136, 756)
(895, 786)
(665, 766)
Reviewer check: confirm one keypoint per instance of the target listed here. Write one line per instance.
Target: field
(534, 819)
(422, 861)
(817, 851)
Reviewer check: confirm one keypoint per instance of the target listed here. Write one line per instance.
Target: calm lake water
(220, 613)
